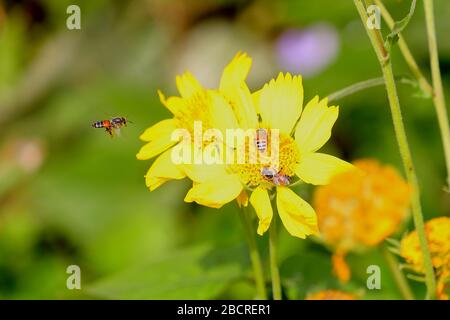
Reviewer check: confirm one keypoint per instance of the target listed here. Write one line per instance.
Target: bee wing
(118, 132)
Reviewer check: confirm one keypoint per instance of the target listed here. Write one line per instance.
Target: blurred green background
(71, 195)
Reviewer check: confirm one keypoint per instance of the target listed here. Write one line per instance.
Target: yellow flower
(213, 108)
(330, 295)
(438, 237)
(302, 131)
(360, 209)
(278, 105)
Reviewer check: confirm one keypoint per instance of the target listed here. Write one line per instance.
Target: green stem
(362, 85)
(399, 278)
(275, 273)
(438, 97)
(407, 55)
(412, 178)
(402, 141)
(255, 258)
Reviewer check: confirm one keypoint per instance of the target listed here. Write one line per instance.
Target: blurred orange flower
(359, 209)
(438, 236)
(330, 295)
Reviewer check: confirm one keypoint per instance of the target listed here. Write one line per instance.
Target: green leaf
(398, 27)
(394, 250)
(415, 277)
(407, 267)
(201, 272)
(393, 242)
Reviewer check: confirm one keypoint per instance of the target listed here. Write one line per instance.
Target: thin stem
(405, 153)
(362, 85)
(410, 61)
(438, 97)
(255, 258)
(275, 273)
(399, 278)
(374, 37)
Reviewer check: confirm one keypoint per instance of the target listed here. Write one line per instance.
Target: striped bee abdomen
(101, 124)
(261, 140)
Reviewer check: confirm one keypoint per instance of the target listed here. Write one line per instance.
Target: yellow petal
(243, 106)
(318, 168)
(154, 183)
(280, 102)
(297, 215)
(159, 137)
(235, 73)
(154, 148)
(233, 86)
(187, 85)
(261, 202)
(221, 113)
(215, 193)
(256, 97)
(204, 172)
(162, 128)
(176, 105)
(162, 170)
(314, 127)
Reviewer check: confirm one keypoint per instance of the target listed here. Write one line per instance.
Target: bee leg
(110, 131)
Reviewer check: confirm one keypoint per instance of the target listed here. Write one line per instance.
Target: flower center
(270, 173)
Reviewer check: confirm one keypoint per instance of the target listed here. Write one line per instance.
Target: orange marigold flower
(340, 267)
(438, 237)
(330, 295)
(359, 209)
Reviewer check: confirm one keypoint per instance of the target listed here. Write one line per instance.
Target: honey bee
(276, 177)
(111, 125)
(261, 140)
(281, 180)
(268, 173)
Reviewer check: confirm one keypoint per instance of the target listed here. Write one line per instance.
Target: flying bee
(261, 140)
(276, 177)
(111, 125)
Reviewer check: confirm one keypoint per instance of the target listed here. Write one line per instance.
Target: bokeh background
(69, 194)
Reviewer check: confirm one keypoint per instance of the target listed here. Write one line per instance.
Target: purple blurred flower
(307, 51)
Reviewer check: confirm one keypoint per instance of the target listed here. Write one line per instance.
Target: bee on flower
(360, 209)
(274, 176)
(437, 232)
(261, 140)
(303, 130)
